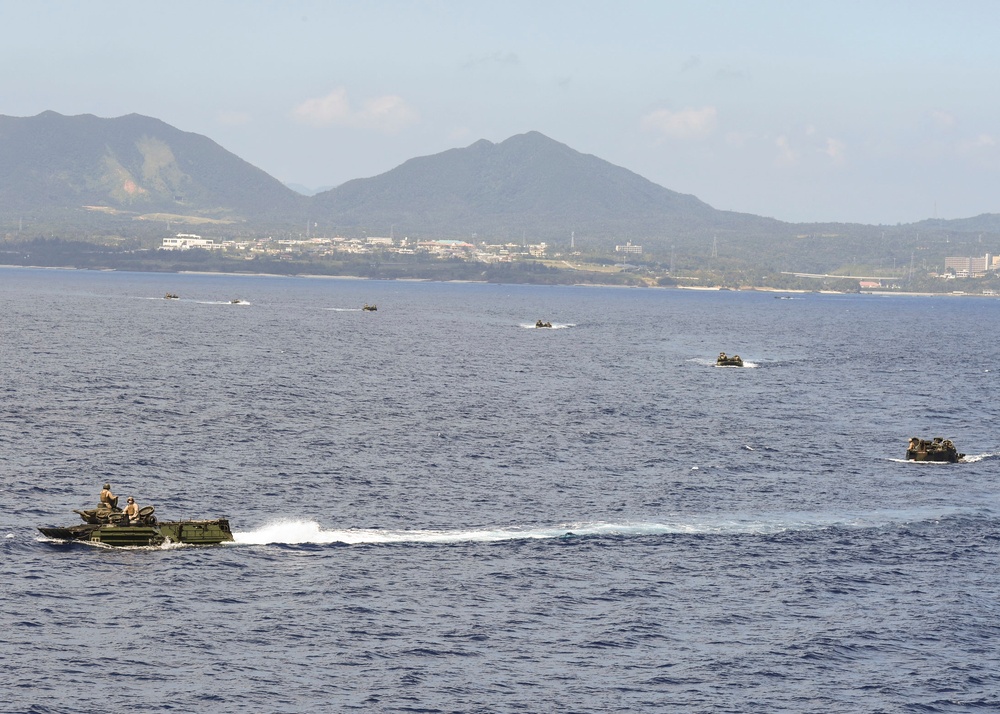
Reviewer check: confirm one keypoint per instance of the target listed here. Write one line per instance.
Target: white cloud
(787, 156)
(977, 146)
(836, 151)
(684, 124)
(321, 111)
(388, 114)
(943, 119)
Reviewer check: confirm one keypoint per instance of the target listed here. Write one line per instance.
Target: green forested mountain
(53, 165)
(528, 186)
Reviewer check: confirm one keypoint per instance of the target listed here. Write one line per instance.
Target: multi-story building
(629, 248)
(185, 241)
(969, 267)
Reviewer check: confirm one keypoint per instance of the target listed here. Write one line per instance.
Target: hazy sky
(876, 111)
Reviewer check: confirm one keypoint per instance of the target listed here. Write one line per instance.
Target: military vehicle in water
(111, 527)
(726, 361)
(937, 449)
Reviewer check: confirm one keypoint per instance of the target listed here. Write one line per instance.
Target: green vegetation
(118, 253)
(56, 252)
(104, 193)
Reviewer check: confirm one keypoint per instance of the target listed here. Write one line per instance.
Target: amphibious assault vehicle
(937, 449)
(111, 527)
(725, 360)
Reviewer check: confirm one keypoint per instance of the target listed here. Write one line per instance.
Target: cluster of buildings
(340, 246)
(971, 267)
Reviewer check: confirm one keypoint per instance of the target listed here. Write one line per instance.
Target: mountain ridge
(132, 162)
(137, 176)
(497, 188)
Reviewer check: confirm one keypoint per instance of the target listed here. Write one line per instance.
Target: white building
(629, 248)
(186, 241)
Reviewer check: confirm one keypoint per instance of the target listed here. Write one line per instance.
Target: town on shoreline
(455, 260)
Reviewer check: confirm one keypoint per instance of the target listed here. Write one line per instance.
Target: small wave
(973, 458)
(920, 463)
(310, 532)
(166, 545)
(342, 309)
(555, 326)
(967, 459)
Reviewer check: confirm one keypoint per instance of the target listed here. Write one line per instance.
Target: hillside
(133, 180)
(533, 188)
(528, 186)
(52, 164)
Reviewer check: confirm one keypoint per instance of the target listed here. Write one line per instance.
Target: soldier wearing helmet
(132, 511)
(108, 499)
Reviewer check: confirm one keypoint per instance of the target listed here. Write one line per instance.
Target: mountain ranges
(83, 177)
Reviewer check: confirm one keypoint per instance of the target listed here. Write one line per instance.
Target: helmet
(107, 485)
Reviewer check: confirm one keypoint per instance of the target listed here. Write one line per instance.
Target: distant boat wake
(310, 532)
(239, 303)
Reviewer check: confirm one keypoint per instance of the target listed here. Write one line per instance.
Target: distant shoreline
(701, 288)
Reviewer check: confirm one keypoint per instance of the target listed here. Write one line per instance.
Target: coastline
(700, 288)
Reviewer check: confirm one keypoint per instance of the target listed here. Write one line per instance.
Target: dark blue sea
(439, 508)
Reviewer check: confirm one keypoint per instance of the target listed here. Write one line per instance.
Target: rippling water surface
(439, 508)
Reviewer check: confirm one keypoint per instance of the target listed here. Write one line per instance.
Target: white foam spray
(293, 532)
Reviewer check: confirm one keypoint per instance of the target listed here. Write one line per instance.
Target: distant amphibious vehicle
(111, 527)
(725, 360)
(937, 449)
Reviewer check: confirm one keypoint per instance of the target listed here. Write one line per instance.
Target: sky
(878, 111)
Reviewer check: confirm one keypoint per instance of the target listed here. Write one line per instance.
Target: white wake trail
(292, 532)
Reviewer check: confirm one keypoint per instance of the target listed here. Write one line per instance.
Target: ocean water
(439, 508)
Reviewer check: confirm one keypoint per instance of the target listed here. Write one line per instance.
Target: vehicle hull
(211, 532)
(937, 449)
(946, 457)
